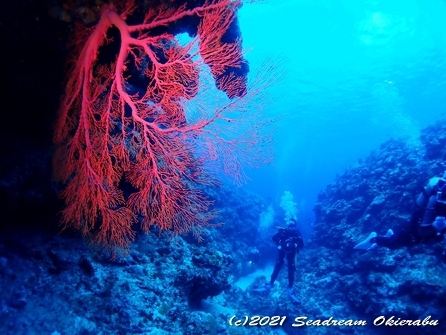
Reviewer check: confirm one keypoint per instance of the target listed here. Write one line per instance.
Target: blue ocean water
(358, 73)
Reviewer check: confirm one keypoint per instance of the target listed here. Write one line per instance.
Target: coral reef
(376, 194)
(53, 283)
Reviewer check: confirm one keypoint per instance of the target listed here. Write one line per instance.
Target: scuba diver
(428, 221)
(289, 241)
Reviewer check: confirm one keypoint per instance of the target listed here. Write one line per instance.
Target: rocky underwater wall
(376, 194)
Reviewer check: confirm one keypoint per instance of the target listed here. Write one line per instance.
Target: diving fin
(367, 244)
(293, 296)
(389, 233)
(266, 288)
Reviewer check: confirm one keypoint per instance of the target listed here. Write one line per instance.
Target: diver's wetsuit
(428, 206)
(289, 241)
